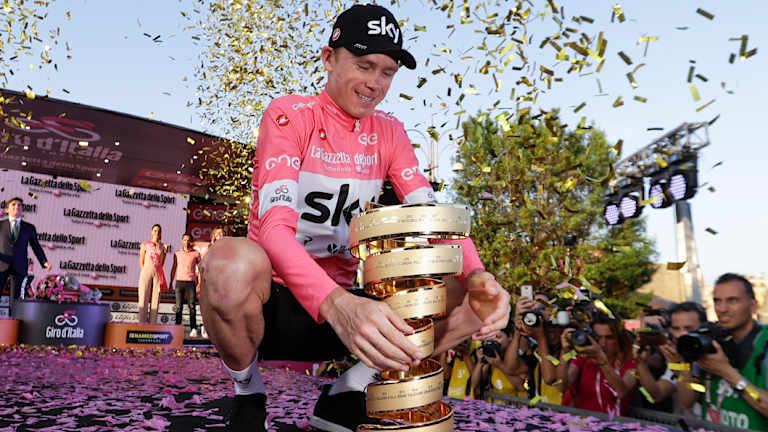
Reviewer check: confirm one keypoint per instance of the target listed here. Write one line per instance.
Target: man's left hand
(489, 301)
(47, 265)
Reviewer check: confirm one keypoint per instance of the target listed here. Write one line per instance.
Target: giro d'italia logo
(282, 120)
(67, 317)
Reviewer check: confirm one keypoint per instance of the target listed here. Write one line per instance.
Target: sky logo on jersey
(282, 120)
(323, 134)
(292, 162)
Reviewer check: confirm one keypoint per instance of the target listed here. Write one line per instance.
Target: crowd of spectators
(582, 355)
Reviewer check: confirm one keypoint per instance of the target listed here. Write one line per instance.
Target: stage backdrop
(93, 230)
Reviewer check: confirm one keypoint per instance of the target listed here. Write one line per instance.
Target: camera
(654, 336)
(532, 318)
(694, 345)
(580, 336)
(491, 348)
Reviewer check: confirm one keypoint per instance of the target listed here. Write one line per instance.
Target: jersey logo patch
(282, 120)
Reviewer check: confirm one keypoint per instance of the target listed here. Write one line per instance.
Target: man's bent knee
(234, 270)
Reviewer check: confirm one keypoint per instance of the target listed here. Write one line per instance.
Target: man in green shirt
(735, 394)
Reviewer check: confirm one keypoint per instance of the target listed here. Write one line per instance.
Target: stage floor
(98, 389)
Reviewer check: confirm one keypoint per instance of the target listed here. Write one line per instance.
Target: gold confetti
(710, 230)
(85, 185)
(695, 93)
(647, 395)
(699, 109)
(553, 360)
(569, 355)
(618, 102)
(405, 96)
(662, 163)
(190, 140)
(705, 14)
(631, 79)
(675, 265)
(578, 108)
(640, 99)
(624, 57)
(618, 12)
(603, 308)
(697, 387)
(650, 201)
(679, 366)
(616, 149)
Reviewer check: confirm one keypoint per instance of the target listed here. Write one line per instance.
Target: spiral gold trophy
(402, 269)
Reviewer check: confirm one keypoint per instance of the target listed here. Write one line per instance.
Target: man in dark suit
(15, 236)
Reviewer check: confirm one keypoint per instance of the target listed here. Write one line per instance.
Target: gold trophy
(402, 269)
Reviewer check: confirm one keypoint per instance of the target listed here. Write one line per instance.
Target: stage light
(612, 215)
(658, 192)
(676, 183)
(683, 181)
(630, 207)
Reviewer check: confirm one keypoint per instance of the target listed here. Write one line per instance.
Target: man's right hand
(669, 351)
(371, 330)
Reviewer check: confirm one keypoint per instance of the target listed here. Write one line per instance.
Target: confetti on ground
(100, 389)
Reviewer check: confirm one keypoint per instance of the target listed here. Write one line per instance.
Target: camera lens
(580, 338)
(531, 319)
(693, 345)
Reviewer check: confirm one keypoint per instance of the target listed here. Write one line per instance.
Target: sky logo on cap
(336, 34)
(380, 27)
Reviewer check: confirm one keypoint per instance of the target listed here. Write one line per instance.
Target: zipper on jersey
(357, 125)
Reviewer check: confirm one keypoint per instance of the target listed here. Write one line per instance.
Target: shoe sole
(327, 426)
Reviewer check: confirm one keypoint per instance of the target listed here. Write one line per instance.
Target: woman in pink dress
(152, 277)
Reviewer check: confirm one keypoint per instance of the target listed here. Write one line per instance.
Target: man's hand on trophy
(371, 331)
(489, 301)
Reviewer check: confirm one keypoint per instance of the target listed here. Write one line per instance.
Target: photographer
(532, 319)
(457, 364)
(683, 318)
(489, 373)
(735, 389)
(599, 379)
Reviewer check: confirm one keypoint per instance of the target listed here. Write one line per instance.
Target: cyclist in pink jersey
(286, 292)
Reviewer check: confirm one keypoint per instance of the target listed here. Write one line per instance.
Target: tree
(624, 261)
(536, 191)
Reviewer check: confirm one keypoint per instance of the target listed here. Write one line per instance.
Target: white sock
(354, 379)
(247, 381)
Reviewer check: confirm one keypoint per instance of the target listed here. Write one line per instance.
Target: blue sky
(115, 66)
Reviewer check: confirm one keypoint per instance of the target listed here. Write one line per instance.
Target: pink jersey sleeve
(273, 217)
(411, 186)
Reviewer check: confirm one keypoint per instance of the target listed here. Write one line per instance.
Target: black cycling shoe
(342, 412)
(249, 413)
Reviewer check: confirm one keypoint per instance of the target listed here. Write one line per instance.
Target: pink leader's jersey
(315, 167)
